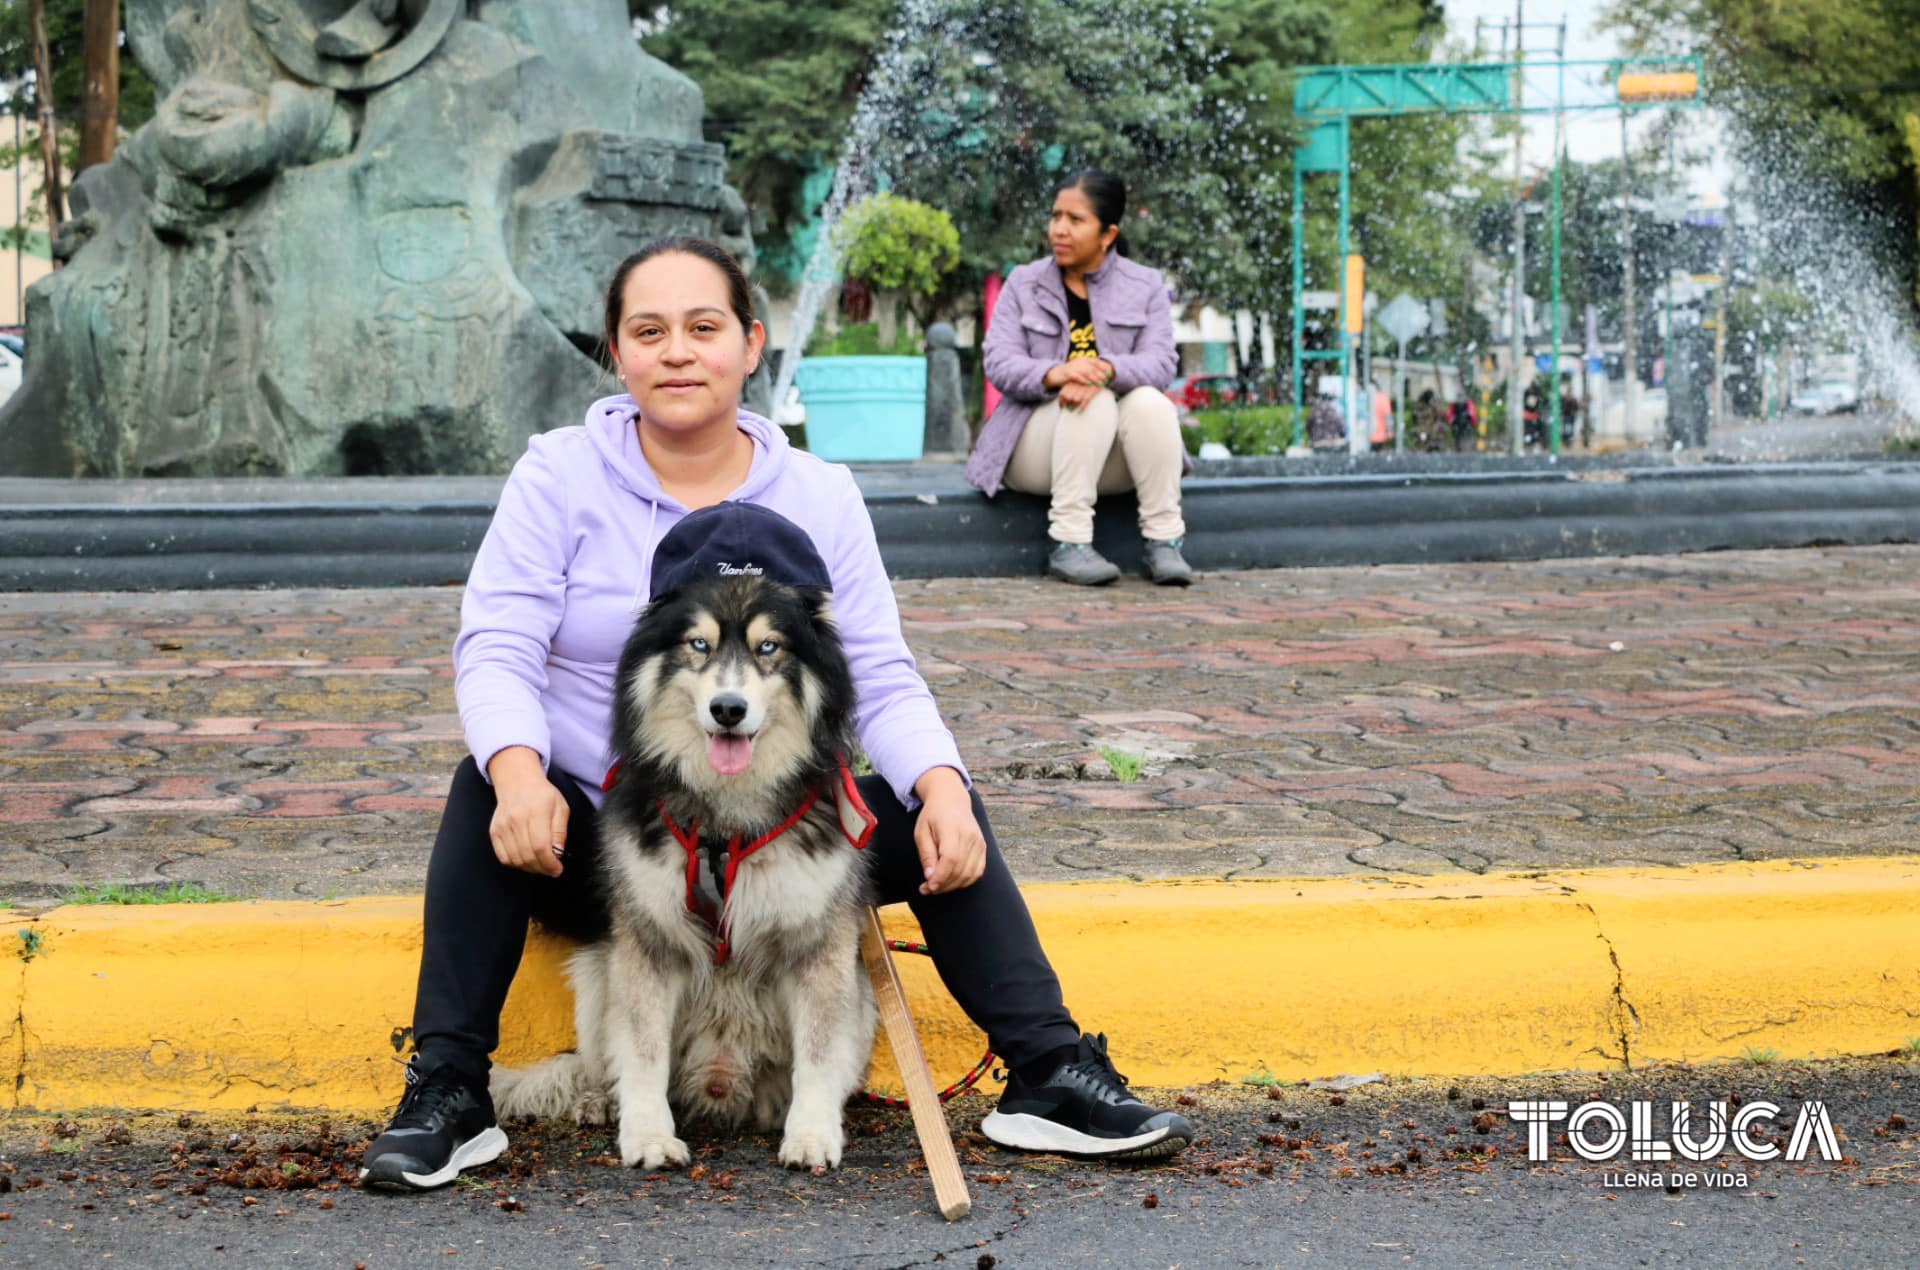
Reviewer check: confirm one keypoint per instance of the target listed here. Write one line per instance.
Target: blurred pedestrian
(1325, 428)
(1429, 428)
(1464, 419)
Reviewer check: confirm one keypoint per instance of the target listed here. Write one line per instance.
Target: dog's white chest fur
(733, 696)
(778, 1031)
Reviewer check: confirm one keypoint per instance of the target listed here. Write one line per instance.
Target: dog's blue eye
(768, 647)
(699, 645)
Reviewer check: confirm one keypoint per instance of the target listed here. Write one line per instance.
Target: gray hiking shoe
(1080, 564)
(1165, 565)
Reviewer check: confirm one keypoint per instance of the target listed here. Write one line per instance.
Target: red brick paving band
(1289, 722)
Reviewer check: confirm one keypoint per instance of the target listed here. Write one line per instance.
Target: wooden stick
(929, 1120)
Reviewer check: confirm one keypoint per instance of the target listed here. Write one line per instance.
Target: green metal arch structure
(1331, 97)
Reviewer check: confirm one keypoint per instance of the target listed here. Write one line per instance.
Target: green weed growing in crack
(32, 943)
(1125, 766)
(121, 893)
(67, 1146)
(1913, 1047)
(1264, 1077)
(1760, 1057)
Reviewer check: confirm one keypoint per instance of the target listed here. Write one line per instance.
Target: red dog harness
(737, 851)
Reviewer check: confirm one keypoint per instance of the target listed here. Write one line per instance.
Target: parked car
(1829, 397)
(11, 368)
(1202, 392)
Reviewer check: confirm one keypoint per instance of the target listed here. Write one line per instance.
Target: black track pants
(982, 939)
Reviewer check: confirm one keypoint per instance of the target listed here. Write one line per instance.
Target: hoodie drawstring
(646, 569)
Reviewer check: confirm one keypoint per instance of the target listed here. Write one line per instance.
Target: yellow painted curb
(305, 1004)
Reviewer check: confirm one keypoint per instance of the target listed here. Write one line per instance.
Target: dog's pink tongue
(729, 754)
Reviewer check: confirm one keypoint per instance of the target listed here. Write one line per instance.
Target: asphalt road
(1389, 1173)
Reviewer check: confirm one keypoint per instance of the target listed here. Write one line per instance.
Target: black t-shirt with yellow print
(1080, 340)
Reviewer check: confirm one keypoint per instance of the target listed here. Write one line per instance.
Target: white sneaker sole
(1035, 1133)
(484, 1148)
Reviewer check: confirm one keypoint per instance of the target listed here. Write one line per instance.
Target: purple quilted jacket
(1132, 322)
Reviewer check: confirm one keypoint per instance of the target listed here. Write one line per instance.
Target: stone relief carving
(357, 236)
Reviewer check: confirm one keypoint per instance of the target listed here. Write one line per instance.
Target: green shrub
(1243, 429)
(896, 244)
(862, 339)
(1495, 417)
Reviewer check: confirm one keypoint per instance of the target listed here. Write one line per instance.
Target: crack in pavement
(1622, 1010)
(27, 954)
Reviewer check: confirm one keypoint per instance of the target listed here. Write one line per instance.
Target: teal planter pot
(864, 409)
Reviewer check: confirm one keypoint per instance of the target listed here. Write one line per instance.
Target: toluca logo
(728, 569)
(1598, 1131)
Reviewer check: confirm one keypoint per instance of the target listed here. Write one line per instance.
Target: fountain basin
(864, 409)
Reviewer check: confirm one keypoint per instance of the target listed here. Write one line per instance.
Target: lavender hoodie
(562, 576)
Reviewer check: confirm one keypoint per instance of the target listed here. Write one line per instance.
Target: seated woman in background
(1081, 347)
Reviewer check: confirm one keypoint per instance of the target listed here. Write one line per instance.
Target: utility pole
(49, 136)
(1516, 410)
(1720, 319)
(1366, 337)
(19, 220)
(1673, 234)
(1559, 143)
(1626, 237)
(100, 55)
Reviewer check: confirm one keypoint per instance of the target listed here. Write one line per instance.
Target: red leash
(952, 1091)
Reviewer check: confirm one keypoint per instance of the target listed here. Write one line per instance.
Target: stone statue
(358, 236)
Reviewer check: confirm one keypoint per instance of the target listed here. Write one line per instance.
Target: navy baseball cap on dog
(736, 540)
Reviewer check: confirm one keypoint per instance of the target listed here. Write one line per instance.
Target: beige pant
(1104, 447)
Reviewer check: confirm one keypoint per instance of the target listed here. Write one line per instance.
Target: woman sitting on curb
(556, 587)
(1081, 347)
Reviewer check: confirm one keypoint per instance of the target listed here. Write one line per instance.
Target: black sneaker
(444, 1124)
(1084, 1109)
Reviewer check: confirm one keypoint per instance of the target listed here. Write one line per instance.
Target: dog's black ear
(819, 602)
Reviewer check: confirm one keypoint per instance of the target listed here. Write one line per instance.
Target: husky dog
(729, 987)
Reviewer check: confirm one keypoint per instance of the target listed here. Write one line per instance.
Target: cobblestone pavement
(1396, 719)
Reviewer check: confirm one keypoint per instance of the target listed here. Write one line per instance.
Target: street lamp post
(1516, 416)
(1626, 237)
(1673, 234)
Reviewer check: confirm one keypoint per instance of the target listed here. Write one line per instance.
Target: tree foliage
(65, 22)
(983, 107)
(1820, 91)
(989, 106)
(780, 81)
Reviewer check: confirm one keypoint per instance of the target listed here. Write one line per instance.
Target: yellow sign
(1356, 296)
(1659, 86)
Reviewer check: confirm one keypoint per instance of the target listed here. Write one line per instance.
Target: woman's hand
(529, 829)
(953, 851)
(1076, 396)
(1081, 370)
